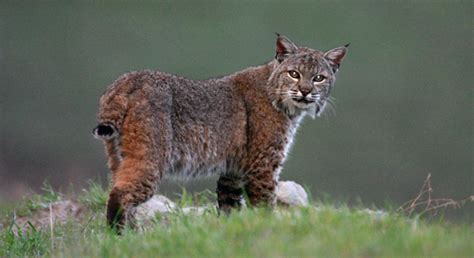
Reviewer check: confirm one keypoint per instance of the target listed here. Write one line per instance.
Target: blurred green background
(404, 93)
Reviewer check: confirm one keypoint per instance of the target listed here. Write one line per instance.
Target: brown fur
(239, 127)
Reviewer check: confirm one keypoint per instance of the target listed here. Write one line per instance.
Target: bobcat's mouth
(303, 103)
(303, 100)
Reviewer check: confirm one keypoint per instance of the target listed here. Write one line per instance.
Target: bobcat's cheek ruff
(105, 131)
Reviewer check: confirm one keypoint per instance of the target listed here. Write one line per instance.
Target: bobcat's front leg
(229, 192)
(260, 181)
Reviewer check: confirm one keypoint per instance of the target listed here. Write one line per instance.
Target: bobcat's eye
(319, 78)
(294, 74)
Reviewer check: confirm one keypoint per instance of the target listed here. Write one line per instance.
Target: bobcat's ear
(335, 57)
(284, 48)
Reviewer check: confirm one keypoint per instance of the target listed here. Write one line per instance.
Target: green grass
(325, 231)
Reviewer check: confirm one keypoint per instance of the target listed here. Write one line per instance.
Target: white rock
(375, 214)
(291, 193)
(157, 204)
(195, 210)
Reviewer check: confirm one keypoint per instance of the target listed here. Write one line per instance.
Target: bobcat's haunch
(240, 127)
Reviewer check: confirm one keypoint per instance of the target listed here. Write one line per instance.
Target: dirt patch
(58, 212)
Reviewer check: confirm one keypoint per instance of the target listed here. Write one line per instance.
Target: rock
(375, 214)
(59, 212)
(291, 194)
(195, 210)
(157, 204)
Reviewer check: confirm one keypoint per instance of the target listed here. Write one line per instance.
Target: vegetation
(322, 230)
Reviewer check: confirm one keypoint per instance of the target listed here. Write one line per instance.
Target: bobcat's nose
(305, 92)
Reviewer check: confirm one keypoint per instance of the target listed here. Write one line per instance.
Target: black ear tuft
(284, 47)
(104, 131)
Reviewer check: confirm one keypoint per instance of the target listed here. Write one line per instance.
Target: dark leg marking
(229, 192)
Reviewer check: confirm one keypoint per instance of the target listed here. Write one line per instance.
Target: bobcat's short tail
(111, 114)
(114, 106)
(105, 131)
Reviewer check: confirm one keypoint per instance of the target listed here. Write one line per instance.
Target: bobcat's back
(206, 119)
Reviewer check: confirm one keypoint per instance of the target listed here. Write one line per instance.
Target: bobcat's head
(303, 77)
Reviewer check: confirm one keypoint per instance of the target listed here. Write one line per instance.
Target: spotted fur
(239, 126)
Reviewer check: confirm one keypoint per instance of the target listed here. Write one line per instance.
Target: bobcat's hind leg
(229, 192)
(145, 150)
(111, 147)
(134, 182)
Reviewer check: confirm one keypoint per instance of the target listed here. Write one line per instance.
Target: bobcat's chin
(312, 108)
(295, 107)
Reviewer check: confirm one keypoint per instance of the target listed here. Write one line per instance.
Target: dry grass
(424, 203)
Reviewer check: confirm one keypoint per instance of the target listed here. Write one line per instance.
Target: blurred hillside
(404, 93)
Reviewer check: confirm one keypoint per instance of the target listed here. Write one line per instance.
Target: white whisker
(331, 110)
(332, 101)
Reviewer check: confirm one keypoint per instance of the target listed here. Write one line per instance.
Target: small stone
(195, 210)
(158, 204)
(291, 194)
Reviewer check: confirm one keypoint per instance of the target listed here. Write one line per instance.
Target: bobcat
(239, 127)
